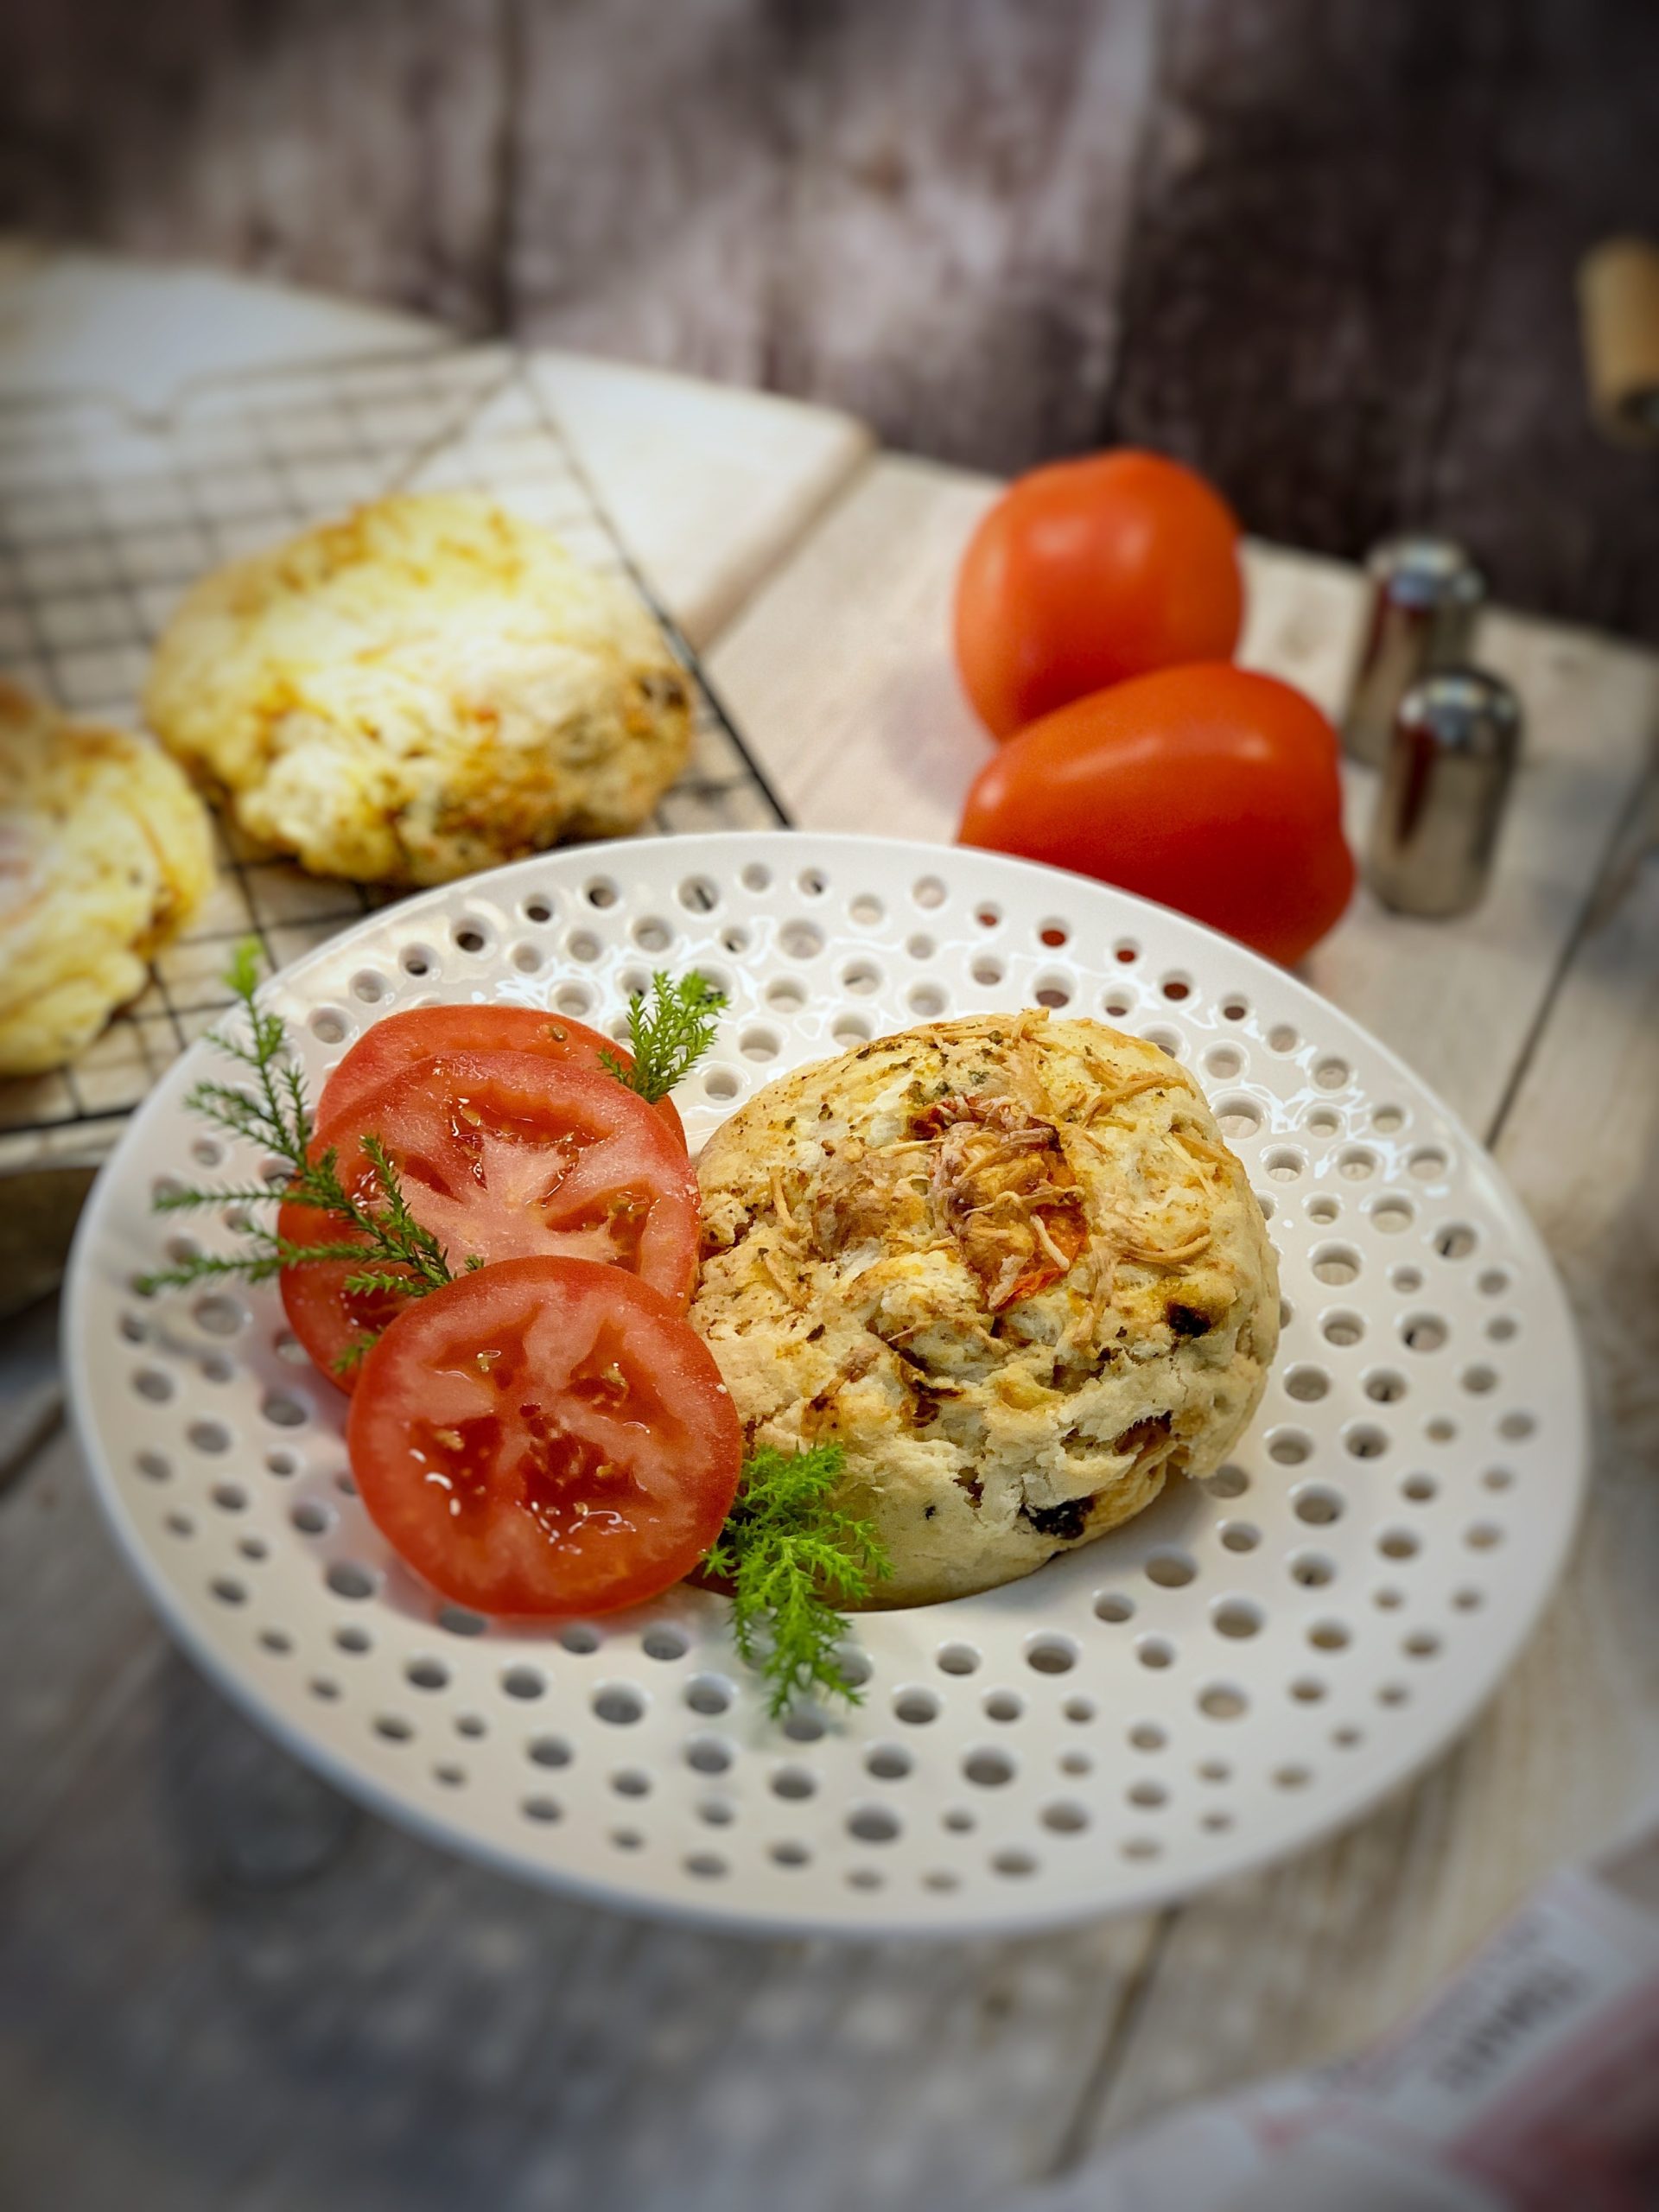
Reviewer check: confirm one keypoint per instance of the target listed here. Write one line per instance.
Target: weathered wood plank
(1327, 1950)
(1322, 248)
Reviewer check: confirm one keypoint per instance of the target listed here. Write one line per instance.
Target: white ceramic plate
(1247, 1665)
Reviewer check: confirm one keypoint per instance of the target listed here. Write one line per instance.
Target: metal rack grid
(105, 521)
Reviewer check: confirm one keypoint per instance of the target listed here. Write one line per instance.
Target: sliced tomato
(503, 1156)
(545, 1436)
(401, 1042)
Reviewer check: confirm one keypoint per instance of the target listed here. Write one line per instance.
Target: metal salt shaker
(1456, 740)
(1426, 593)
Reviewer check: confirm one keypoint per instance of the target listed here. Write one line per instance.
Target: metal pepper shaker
(1456, 740)
(1426, 593)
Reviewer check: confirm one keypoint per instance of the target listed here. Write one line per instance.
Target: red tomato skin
(1088, 573)
(312, 1297)
(419, 1035)
(428, 1365)
(1212, 790)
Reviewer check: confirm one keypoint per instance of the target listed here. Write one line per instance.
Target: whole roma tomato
(1090, 572)
(1208, 788)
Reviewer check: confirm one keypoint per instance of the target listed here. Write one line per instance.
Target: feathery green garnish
(668, 1034)
(792, 1557)
(390, 1250)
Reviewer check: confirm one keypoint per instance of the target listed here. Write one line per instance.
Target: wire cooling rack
(105, 521)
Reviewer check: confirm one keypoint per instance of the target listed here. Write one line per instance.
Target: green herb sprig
(792, 1559)
(388, 1249)
(668, 1033)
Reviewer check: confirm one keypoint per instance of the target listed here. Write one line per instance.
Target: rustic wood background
(1324, 247)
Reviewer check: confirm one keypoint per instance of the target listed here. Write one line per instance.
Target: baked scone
(1009, 1265)
(105, 851)
(428, 687)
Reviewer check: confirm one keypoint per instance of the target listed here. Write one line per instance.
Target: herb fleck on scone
(1009, 1266)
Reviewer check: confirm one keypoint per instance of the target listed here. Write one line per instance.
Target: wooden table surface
(222, 1985)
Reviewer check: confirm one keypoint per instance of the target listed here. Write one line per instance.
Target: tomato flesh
(501, 1156)
(400, 1043)
(546, 1436)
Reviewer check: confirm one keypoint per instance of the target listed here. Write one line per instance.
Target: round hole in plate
(1307, 1689)
(426, 1674)
(152, 1383)
(888, 1762)
(1114, 1605)
(1312, 1570)
(1147, 1736)
(664, 1642)
(1423, 1332)
(1421, 1643)
(1365, 1441)
(1316, 1504)
(862, 976)
(915, 1705)
(1114, 1005)
(1492, 1282)
(1003, 1705)
(1282, 1037)
(1223, 1701)
(1420, 1489)
(418, 960)
(867, 910)
(699, 894)
(154, 1468)
(720, 1083)
(1164, 1041)
(987, 916)
(580, 1638)
(921, 946)
(312, 1518)
(328, 1024)
(457, 1620)
(928, 1001)
(1455, 1242)
(357, 1641)
(756, 877)
(1329, 1635)
(850, 1029)
(1336, 1263)
(928, 890)
(1497, 1478)
(1155, 1652)
(1065, 1816)
(1053, 991)
(1307, 1384)
(283, 1412)
(1051, 1655)
(1237, 1617)
(1331, 1074)
(709, 1755)
(1053, 933)
(1467, 1599)
(526, 1683)
(801, 940)
(538, 908)
(988, 972)
(1518, 1426)
(1392, 1215)
(1235, 1007)
(709, 1693)
(1323, 1210)
(348, 1578)
(786, 994)
(1012, 1861)
(788, 1852)
(1176, 988)
(990, 1766)
(804, 1724)
(575, 1000)
(1502, 1328)
(1388, 1599)
(228, 1590)
(1289, 1447)
(1479, 1380)
(1078, 1709)
(1284, 1166)
(794, 1783)
(1228, 1481)
(1483, 1535)
(1171, 1570)
(956, 1658)
(1240, 1536)
(1322, 1122)
(758, 1043)
(631, 1781)
(873, 1823)
(1427, 1163)
(549, 1750)
(1342, 1329)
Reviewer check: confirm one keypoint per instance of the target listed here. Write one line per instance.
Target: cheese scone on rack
(1009, 1265)
(105, 851)
(429, 687)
